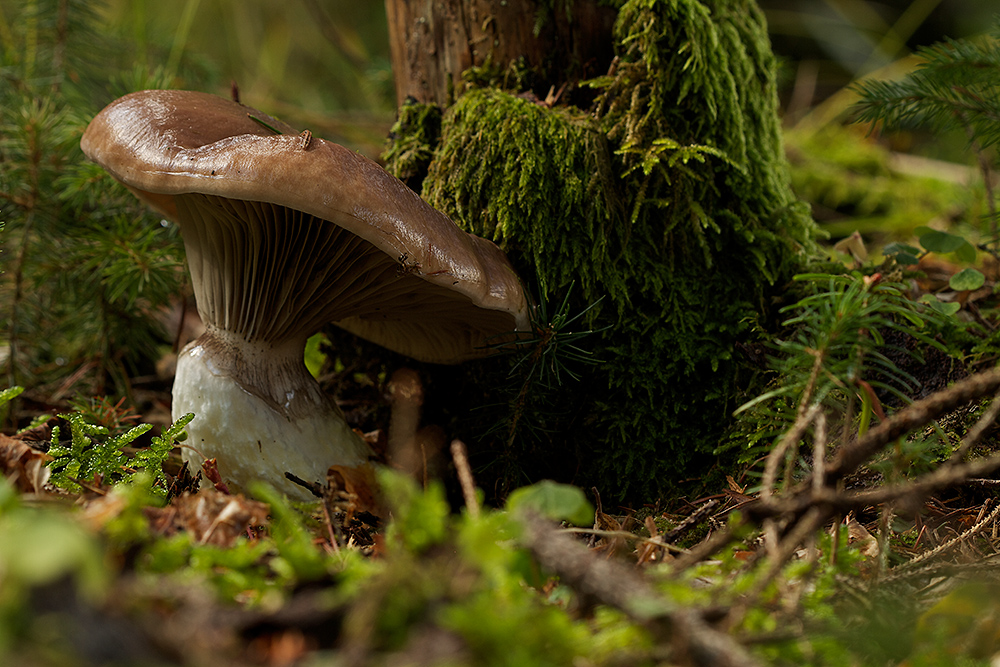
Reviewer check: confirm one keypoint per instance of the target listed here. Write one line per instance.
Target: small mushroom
(412, 449)
(285, 233)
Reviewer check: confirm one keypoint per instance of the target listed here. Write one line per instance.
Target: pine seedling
(548, 353)
(84, 267)
(545, 358)
(835, 354)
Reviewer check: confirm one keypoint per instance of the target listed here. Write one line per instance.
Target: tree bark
(433, 41)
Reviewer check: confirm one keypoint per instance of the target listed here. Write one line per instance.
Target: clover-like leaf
(938, 241)
(904, 253)
(967, 279)
(947, 308)
(559, 502)
(966, 253)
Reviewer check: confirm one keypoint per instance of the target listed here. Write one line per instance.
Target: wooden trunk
(433, 41)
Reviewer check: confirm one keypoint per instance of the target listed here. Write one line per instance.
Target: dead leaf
(859, 537)
(23, 466)
(609, 545)
(213, 517)
(353, 489)
(281, 649)
(183, 482)
(211, 469)
(102, 509)
(854, 246)
(648, 551)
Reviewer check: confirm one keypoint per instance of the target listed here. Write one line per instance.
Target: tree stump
(432, 42)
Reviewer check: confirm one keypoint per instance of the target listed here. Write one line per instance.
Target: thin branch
(835, 502)
(914, 415)
(819, 452)
(941, 548)
(790, 439)
(684, 526)
(703, 550)
(624, 534)
(465, 477)
(611, 583)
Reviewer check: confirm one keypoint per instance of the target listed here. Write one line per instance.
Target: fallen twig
(465, 477)
(958, 539)
(687, 524)
(610, 583)
(914, 415)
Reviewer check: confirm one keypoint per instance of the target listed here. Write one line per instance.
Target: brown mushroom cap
(432, 291)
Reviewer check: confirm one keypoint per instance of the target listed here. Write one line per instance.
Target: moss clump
(412, 140)
(670, 199)
(543, 184)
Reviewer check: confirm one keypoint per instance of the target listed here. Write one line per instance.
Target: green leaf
(559, 502)
(9, 394)
(904, 253)
(315, 357)
(940, 306)
(966, 253)
(942, 242)
(967, 279)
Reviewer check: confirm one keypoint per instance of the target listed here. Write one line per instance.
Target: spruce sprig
(84, 268)
(956, 86)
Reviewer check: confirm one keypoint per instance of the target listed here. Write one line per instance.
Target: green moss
(542, 185)
(412, 140)
(670, 200)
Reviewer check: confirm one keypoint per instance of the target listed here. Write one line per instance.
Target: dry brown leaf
(353, 489)
(23, 466)
(609, 545)
(210, 516)
(213, 517)
(734, 486)
(648, 551)
(102, 509)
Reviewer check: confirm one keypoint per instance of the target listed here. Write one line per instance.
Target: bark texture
(433, 41)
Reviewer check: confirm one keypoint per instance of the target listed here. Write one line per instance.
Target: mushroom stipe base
(251, 436)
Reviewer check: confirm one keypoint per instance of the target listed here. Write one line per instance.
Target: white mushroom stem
(260, 412)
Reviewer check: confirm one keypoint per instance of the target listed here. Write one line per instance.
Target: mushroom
(285, 233)
(412, 449)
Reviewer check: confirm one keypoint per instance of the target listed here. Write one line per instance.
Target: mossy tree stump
(657, 188)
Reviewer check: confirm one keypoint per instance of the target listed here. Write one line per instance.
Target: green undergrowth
(837, 352)
(667, 204)
(466, 580)
(855, 183)
(217, 575)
